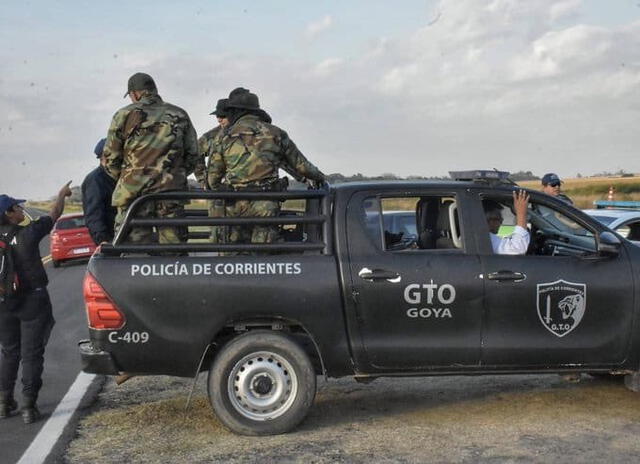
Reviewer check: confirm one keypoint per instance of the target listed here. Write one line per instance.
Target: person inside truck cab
(518, 241)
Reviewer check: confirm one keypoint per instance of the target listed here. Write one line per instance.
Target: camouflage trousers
(167, 209)
(217, 210)
(252, 234)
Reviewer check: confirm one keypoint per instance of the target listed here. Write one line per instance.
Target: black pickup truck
(368, 280)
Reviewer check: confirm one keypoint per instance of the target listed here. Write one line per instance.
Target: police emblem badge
(561, 305)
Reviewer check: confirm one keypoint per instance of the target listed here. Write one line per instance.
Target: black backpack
(9, 281)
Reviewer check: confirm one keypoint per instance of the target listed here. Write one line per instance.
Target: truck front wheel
(261, 383)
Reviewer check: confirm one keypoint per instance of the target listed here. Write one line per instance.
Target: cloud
(492, 83)
(328, 66)
(315, 28)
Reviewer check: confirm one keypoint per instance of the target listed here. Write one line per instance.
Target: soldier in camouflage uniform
(252, 151)
(209, 146)
(151, 147)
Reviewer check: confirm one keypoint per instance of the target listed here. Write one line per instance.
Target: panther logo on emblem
(561, 305)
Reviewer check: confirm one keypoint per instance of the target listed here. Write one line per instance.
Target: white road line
(46, 259)
(48, 436)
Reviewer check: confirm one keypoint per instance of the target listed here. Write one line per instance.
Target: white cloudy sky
(415, 87)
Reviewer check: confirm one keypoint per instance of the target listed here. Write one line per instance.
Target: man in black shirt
(97, 189)
(26, 318)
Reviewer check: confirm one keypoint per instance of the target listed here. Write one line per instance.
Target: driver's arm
(521, 204)
(518, 242)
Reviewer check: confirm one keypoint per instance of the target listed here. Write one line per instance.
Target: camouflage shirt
(251, 153)
(208, 145)
(151, 147)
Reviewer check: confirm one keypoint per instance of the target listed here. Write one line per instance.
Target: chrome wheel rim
(262, 386)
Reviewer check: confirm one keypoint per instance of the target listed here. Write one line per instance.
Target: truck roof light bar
(483, 176)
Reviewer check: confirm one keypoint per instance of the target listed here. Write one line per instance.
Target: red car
(70, 239)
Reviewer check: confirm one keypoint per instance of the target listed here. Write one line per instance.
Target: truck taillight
(101, 312)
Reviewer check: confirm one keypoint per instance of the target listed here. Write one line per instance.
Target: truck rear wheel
(261, 383)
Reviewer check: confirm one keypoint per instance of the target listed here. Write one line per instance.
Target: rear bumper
(62, 253)
(95, 361)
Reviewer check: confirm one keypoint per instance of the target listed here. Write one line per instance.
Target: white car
(625, 221)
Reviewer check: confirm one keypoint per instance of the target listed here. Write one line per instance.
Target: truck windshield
(548, 218)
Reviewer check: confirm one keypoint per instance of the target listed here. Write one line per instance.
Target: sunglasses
(555, 184)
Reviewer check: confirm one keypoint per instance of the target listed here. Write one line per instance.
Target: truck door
(417, 298)
(560, 304)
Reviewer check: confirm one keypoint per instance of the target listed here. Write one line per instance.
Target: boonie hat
(550, 178)
(140, 81)
(243, 99)
(7, 202)
(99, 148)
(221, 108)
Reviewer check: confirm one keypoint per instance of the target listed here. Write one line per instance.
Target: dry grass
(452, 419)
(70, 207)
(584, 192)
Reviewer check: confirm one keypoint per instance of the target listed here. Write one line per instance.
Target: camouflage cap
(221, 108)
(243, 99)
(140, 81)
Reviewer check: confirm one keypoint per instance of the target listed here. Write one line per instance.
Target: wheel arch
(295, 329)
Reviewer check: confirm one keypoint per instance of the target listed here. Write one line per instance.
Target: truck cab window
(413, 223)
(552, 232)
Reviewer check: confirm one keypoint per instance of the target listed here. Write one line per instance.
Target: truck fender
(236, 327)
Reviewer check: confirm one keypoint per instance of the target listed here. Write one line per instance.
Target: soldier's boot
(7, 405)
(30, 412)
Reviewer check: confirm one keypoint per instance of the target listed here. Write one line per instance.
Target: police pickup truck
(341, 295)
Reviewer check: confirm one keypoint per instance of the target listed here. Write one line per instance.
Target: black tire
(261, 363)
(55, 263)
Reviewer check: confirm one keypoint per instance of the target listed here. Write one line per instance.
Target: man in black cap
(26, 318)
(551, 186)
(151, 147)
(97, 189)
(252, 152)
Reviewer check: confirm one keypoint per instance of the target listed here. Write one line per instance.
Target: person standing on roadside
(26, 317)
(551, 185)
(151, 147)
(97, 190)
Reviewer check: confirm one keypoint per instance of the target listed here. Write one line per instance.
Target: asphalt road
(62, 362)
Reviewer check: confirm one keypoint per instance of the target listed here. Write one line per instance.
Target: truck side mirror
(608, 244)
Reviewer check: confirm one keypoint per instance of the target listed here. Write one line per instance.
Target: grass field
(585, 191)
(70, 207)
(582, 191)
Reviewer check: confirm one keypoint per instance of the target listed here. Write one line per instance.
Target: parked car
(620, 216)
(70, 239)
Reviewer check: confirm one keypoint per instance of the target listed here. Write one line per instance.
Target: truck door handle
(379, 274)
(507, 276)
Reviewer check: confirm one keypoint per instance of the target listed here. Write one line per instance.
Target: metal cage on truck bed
(313, 221)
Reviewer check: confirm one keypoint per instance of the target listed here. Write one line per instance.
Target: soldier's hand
(65, 191)
(316, 184)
